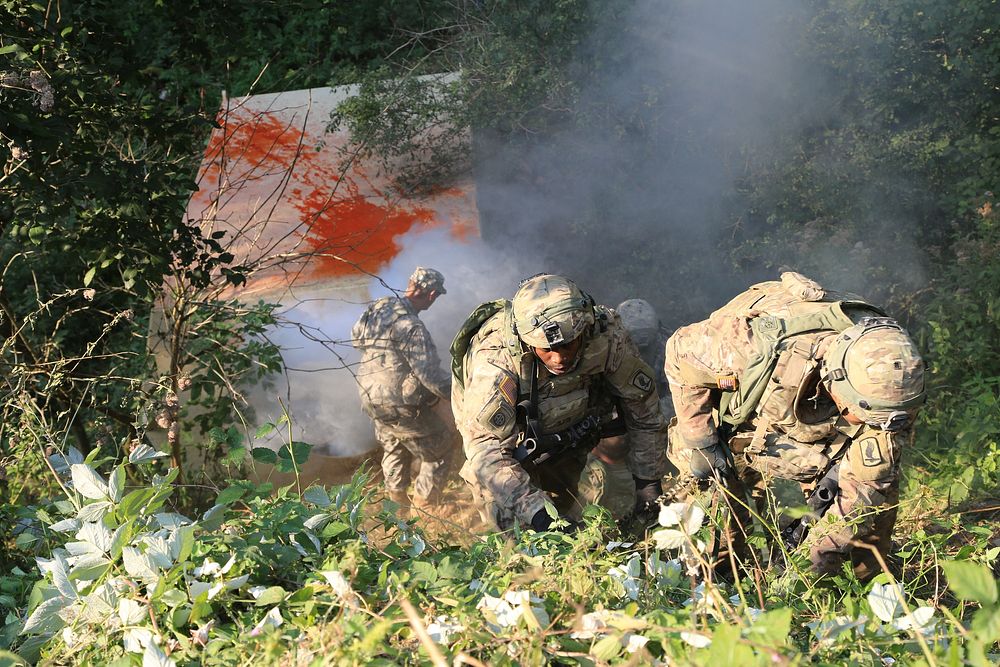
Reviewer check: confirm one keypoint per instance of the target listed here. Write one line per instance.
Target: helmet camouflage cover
(551, 310)
(639, 318)
(875, 368)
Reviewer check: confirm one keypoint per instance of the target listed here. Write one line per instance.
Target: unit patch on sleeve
(641, 380)
(871, 452)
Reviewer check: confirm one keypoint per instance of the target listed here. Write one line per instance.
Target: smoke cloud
(690, 95)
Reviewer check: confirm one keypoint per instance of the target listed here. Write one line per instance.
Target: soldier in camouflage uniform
(647, 332)
(400, 379)
(788, 380)
(537, 381)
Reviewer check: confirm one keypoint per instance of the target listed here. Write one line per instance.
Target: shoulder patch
(641, 381)
(507, 388)
(871, 452)
(497, 415)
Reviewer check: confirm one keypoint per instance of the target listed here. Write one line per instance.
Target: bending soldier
(400, 379)
(789, 380)
(537, 382)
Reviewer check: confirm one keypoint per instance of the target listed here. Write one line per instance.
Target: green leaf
(89, 276)
(36, 234)
(88, 483)
(986, 624)
(116, 484)
(726, 649)
(265, 429)
(424, 571)
(773, 626)
(971, 581)
(264, 455)
(299, 452)
(10, 49)
(316, 495)
(272, 596)
(607, 648)
(133, 502)
(231, 495)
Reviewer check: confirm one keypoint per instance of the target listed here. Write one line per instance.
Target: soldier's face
(422, 300)
(560, 359)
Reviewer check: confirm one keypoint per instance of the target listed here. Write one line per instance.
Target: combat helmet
(639, 318)
(550, 310)
(875, 368)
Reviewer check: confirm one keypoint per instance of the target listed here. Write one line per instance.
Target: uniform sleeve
(631, 380)
(592, 483)
(421, 354)
(489, 434)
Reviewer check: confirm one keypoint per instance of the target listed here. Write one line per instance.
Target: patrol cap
(639, 318)
(875, 368)
(428, 279)
(551, 310)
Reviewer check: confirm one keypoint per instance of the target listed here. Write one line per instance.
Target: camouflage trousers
(424, 437)
(559, 479)
(862, 515)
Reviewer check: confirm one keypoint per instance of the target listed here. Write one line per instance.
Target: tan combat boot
(401, 499)
(422, 507)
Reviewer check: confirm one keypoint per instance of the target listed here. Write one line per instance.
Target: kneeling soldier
(537, 382)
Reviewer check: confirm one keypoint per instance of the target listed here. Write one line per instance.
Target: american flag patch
(508, 389)
(728, 382)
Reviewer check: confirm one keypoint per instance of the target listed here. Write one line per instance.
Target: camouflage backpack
(463, 339)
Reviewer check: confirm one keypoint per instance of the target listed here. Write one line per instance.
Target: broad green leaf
(772, 627)
(726, 648)
(607, 648)
(316, 495)
(9, 49)
(272, 596)
(986, 624)
(60, 577)
(139, 565)
(88, 277)
(97, 535)
(299, 451)
(971, 581)
(143, 452)
(94, 511)
(45, 618)
(133, 503)
(264, 455)
(884, 601)
(116, 484)
(66, 525)
(423, 571)
(173, 597)
(231, 494)
(87, 482)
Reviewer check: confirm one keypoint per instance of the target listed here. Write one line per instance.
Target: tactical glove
(647, 492)
(542, 522)
(710, 462)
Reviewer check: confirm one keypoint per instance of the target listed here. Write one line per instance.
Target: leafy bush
(323, 577)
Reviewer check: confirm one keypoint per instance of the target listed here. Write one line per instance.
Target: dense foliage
(881, 179)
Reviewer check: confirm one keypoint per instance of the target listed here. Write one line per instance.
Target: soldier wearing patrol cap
(400, 379)
(537, 382)
(793, 381)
